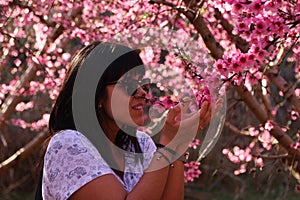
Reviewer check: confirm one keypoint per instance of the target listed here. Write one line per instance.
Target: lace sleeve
(70, 162)
(148, 148)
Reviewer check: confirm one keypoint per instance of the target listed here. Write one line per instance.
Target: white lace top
(71, 161)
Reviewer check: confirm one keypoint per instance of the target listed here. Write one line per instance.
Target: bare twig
(235, 130)
(23, 152)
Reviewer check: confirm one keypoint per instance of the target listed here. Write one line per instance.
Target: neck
(110, 128)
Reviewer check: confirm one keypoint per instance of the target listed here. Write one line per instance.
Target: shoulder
(68, 136)
(68, 142)
(70, 162)
(65, 137)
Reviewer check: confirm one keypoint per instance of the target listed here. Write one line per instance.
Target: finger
(183, 114)
(205, 114)
(218, 104)
(192, 119)
(173, 114)
(185, 106)
(205, 107)
(175, 110)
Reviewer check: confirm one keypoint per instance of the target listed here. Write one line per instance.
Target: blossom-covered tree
(250, 46)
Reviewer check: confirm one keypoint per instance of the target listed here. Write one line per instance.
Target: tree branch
(216, 50)
(235, 130)
(236, 39)
(284, 139)
(282, 85)
(265, 99)
(8, 106)
(23, 152)
(272, 72)
(21, 5)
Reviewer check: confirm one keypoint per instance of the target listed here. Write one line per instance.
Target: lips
(138, 107)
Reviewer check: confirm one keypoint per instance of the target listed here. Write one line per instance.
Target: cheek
(117, 105)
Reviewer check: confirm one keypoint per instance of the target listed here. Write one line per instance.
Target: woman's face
(123, 108)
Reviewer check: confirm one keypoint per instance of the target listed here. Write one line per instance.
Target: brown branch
(23, 152)
(236, 39)
(16, 184)
(21, 5)
(216, 50)
(9, 105)
(282, 85)
(235, 130)
(284, 139)
(265, 99)
(280, 82)
(268, 156)
(272, 72)
(252, 103)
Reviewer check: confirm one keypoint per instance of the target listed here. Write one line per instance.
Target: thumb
(174, 113)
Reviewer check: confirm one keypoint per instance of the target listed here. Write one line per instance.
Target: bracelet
(162, 156)
(184, 158)
(171, 151)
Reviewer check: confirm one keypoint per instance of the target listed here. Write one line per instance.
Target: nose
(140, 92)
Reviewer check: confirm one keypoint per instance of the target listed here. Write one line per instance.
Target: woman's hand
(181, 126)
(179, 120)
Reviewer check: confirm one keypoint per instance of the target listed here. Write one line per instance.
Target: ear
(100, 104)
(102, 100)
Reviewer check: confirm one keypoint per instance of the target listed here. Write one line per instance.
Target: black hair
(61, 116)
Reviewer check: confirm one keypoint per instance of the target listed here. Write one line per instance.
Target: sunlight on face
(123, 108)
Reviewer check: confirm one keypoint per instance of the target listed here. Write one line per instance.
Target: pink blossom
(24, 106)
(266, 139)
(269, 125)
(17, 62)
(294, 115)
(237, 7)
(21, 123)
(259, 162)
(193, 144)
(251, 145)
(297, 92)
(295, 145)
(253, 131)
(191, 171)
(66, 56)
(225, 151)
(236, 172)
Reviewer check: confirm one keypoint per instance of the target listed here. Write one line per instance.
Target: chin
(139, 123)
(138, 120)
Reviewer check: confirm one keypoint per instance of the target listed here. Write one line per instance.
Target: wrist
(175, 154)
(166, 136)
(165, 140)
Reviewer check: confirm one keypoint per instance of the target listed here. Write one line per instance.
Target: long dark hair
(61, 116)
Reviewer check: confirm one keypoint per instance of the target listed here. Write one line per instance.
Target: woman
(75, 169)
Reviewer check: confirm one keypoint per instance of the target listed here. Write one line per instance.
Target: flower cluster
(192, 171)
(254, 21)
